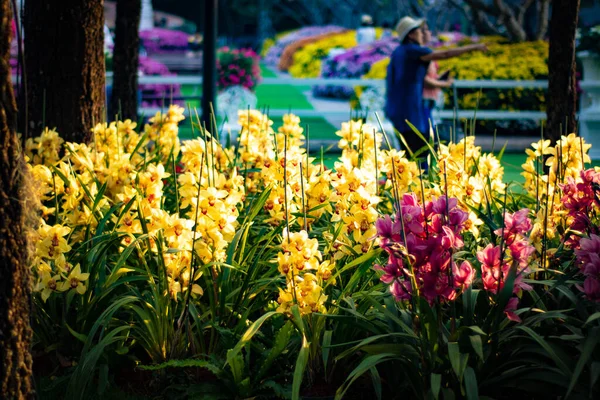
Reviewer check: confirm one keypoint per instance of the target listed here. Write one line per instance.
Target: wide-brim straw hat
(366, 19)
(407, 24)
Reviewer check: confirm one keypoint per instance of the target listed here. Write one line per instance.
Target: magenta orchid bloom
(510, 309)
(432, 232)
(463, 275)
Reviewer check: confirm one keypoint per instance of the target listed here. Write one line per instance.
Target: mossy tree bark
(125, 60)
(64, 63)
(562, 93)
(15, 287)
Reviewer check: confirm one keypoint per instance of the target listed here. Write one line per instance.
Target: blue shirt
(404, 83)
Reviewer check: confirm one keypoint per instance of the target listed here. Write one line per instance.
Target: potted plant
(238, 73)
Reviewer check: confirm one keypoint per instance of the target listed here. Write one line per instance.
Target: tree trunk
(125, 60)
(15, 287)
(562, 94)
(64, 62)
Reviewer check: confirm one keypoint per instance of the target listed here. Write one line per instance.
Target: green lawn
(267, 72)
(285, 97)
(319, 128)
(282, 97)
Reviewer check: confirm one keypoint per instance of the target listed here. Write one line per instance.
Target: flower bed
(157, 94)
(354, 63)
(358, 61)
(275, 51)
(255, 271)
(287, 57)
(520, 61)
(307, 61)
(160, 40)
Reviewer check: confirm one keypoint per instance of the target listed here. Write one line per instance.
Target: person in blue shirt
(405, 78)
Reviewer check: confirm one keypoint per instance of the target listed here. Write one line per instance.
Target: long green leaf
(549, 350)
(301, 362)
(436, 384)
(457, 360)
(186, 363)
(282, 340)
(592, 318)
(247, 336)
(588, 348)
(365, 365)
(477, 345)
(471, 384)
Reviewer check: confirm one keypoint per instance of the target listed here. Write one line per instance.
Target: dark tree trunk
(64, 63)
(126, 59)
(562, 94)
(15, 286)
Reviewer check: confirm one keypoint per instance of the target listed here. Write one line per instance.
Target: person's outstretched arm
(450, 53)
(436, 83)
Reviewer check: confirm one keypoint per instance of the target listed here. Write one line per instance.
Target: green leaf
(448, 394)
(325, 348)
(186, 363)
(594, 373)
(357, 261)
(281, 341)
(429, 322)
(84, 372)
(364, 344)
(549, 350)
(102, 379)
(477, 345)
(298, 319)
(365, 365)
(477, 330)
(457, 360)
(588, 348)
(386, 311)
(376, 379)
(436, 384)
(78, 336)
(301, 362)
(236, 364)
(247, 336)
(471, 384)
(470, 300)
(592, 318)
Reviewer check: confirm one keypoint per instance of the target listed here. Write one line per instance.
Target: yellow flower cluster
(55, 274)
(355, 188)
(264, 152)
(519, 61)
(45, 148)
(163, 130)
(210, 191)
(125, 170)
(300, 262)
(566, 159)
(470, 176)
